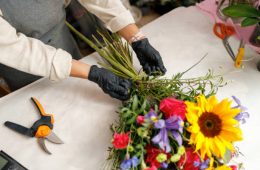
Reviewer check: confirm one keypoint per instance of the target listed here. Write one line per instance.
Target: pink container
(210, 7)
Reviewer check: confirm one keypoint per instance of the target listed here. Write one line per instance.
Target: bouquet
(175, 124)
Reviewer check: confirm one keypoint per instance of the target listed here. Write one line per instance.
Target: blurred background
(143, 11)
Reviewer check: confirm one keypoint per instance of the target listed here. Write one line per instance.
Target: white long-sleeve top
(32, 56)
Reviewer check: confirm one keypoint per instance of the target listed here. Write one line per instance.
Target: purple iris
(243, 115)
(202, 165)
(172, 125)
(129, 163)
(150, 115)
(164, 165)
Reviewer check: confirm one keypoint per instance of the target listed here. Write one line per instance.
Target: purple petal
(150, 114)
(160, 124)
(204, 165)
(177, 137)
(239, 116)
(164, 165)
(196, 163)
(135, 161)
(126, 164)
(236, 100)
(246, 114)
(172, 119)
(243, 108)
(174, 123)
(162, 140)
(167, 147)
(157, 138)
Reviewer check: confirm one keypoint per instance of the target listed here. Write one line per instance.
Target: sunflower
(212, 125)
(223, 167)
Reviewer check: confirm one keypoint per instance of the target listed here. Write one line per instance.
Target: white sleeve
(111, 12)
(31, 55)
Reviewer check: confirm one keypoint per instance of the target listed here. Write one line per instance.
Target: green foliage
(249, 21)
(248, 12)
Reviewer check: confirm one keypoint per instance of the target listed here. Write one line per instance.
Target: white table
(83, 113)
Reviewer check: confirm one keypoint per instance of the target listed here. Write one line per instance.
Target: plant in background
(163, 6)
(250, 15)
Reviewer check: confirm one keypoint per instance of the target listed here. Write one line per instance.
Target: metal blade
(19, 128)
(41, 142)
(229, 49)
(52, 137)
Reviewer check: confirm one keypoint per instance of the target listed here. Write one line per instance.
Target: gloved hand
(148, 57)
(117, 87)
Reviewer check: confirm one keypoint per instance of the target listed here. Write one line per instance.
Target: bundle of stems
(118, 58)
(117, 54)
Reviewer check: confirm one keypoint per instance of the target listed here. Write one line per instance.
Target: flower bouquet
(175, 123)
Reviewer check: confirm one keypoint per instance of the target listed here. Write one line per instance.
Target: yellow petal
(202, 102)
(212, 101)
(229, 122)
(199, 140)
(227, 144)
(230, 113)
(221, 107)
(220, 147)
(232, 134)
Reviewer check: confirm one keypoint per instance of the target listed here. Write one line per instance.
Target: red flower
(233, 167)
(171, 106)
(152, 153)
(121, 141)
(190, 159)
(151, 168)
(140, 120)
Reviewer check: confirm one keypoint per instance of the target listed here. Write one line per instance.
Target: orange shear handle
(222, 31)
(41, 109)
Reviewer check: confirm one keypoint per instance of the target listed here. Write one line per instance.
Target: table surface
(83, 113)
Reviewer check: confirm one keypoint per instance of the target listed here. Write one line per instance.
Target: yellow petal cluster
(212, 125)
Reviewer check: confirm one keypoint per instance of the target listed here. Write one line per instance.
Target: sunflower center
(210, 124)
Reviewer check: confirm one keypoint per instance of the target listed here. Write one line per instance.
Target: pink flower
(140, 120)
(171, 106)
(233, 167)
(121, 141)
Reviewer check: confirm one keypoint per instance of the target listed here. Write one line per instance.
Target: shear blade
(41, 142)
(52, 137)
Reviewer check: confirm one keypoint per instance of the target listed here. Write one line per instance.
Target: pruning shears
(224, 31)
(41, 129)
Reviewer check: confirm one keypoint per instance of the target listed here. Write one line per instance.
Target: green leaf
(249, 21)
(241, 10)
(131, 120)
(143, 107)
(135, 103)
(127, 114)
(227, 156)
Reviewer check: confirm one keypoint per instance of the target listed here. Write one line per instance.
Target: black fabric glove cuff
(140, 43)
(93, 73)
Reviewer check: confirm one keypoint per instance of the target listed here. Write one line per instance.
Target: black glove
(117, 87)
(149, 58)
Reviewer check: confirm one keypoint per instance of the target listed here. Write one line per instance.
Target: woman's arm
(79, 69)
(31, 55)
(111, 12)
